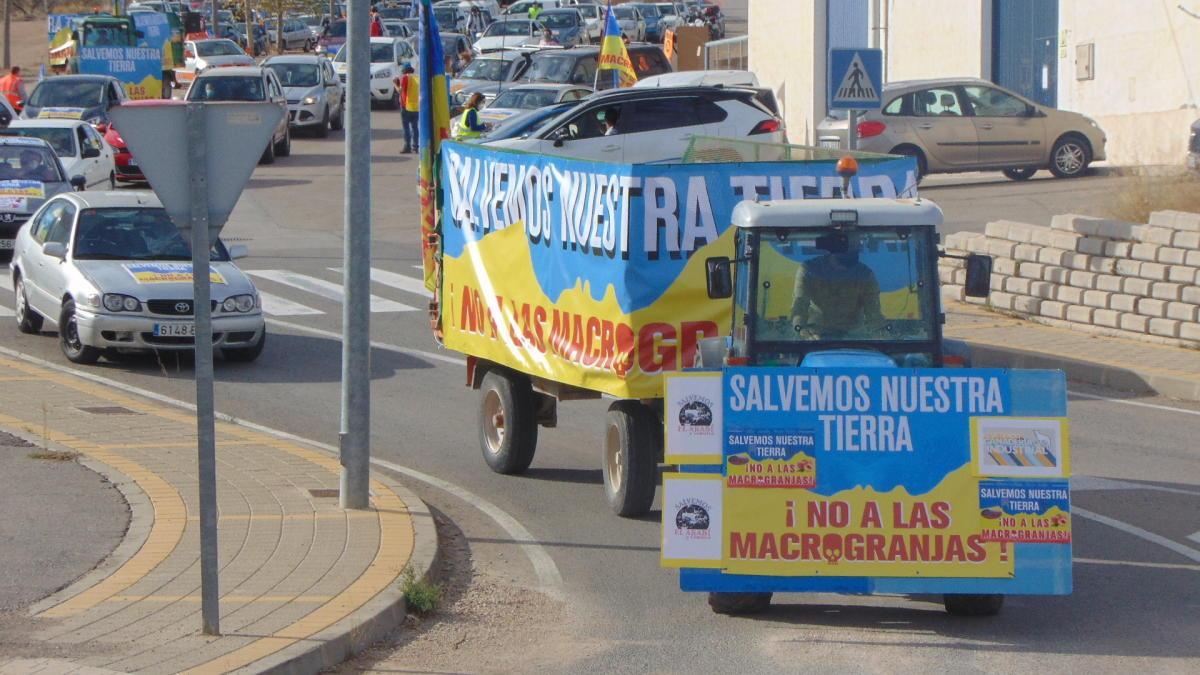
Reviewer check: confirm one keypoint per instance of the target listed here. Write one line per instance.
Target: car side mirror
(719, 277)
(54, 249)
(90, 152)
(238, 251)
(560, 136)
(979, 275)
(79, 183)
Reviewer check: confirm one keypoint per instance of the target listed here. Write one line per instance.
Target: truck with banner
(827, 445)
(141, 50)
(565, 279)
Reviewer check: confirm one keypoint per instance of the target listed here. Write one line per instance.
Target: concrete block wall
(1091, 274)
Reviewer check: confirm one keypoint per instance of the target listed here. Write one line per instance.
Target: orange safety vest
(412, 93)
(10, 85)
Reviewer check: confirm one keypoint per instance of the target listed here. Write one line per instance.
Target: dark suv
(578, 65)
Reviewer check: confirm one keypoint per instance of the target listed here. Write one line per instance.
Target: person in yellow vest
(469, 126)
(409, 85)
(535, 10)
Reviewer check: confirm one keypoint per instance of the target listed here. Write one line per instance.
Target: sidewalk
(1123, 364)
(302, 582)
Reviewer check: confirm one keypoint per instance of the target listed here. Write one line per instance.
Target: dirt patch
(1140, 195)
(486, 624)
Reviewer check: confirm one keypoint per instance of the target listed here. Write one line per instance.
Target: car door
(28, 245)
(660, 128)
(333, 87)
(1009, 130)
(583, 136)
(50, 273)
(942, 123)
(98, 167)
(275, 94)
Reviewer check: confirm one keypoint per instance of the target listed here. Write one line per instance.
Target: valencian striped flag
(613, 55)
(433, 127)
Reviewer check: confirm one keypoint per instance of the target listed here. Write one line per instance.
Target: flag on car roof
(433, 126)
(613, 55)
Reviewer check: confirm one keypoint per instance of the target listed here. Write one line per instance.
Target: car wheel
(632, 446)
(1070, 157)
(285, 149)
(112, 180)
(68, 338)
(914, 152)
(973, 605)
(508, 428)
(394, 103)
(340, 121)
(309, 46)
(323, 127)
(737, 604)
(268, 156)
(245, 354)
(28, 320)
(1020, 174)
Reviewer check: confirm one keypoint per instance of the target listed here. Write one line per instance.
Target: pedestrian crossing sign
(855, 79)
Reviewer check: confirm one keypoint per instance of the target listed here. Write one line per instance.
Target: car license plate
(175, 330)
(833, 144)
(6, 244)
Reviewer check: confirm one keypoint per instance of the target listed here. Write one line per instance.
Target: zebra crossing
(288, 293)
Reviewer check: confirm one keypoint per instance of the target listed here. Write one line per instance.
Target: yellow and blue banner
(433, 127)
(138, 68)
(613, 55)
(591, 273)
(891, 503)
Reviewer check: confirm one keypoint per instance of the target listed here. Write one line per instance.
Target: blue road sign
(855, 79)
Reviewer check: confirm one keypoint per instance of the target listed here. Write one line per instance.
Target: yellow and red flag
(433, 127)
(613, 55)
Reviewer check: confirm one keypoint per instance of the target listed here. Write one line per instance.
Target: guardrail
(728, 54)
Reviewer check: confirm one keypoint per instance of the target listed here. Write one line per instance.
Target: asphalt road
(1135, 596)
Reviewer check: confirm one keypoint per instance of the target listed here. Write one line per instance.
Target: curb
(1090, 372)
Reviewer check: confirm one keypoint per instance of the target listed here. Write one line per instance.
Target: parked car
(578, 65)
(653, 19)
(102, 268)
(388, 58)
(332, 37)
(524, 97)
(83, 97)
(237, 33)
(526, 122)
(653, 125)
(395, 28)
(79, 146)
(7, 112)
(315, 96)
(670, 15)
(247, 83)
(200, 55)
(487, 74)
(1193, 160)
(508, 33)
(296, 34)
(952, 125)
(30, 173)
(567, 25)
(633, 25)
(522, 8)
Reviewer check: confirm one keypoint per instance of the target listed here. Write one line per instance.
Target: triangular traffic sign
(159, 135)
(856, 84)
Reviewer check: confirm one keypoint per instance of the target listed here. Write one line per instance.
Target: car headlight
(239, 303)
(91, 299)
(309, 100)
(116, 302)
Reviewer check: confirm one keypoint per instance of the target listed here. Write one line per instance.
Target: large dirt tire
(245, 354)
(963, 604)
(28, 320)
(736, 604)
(508, 427)
(632, 446)
(1070, 156)
(68, 338)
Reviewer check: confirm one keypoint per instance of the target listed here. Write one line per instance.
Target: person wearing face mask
(835, 295)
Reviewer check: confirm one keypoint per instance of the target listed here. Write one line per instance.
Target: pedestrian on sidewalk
(376, 24)
(13, 86)
(409, 86)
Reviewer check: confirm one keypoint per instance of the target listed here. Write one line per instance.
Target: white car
(315, 98)
(507, 34)
(80, 148)
(111, 272)
(388, 58)
(200, 55)
(652, 125)
(633, 25)
(593, 16)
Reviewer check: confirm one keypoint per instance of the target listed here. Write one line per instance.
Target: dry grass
(54, 456)
(1140, 195)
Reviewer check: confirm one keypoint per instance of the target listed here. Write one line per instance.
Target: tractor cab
(834, 282)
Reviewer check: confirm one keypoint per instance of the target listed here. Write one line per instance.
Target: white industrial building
(1132, 65)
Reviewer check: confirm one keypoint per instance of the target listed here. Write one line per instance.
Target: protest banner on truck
(868, 480)
(591, 274)
(138, 68)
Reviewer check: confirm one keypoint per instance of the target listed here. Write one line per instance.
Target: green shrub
(422, 596)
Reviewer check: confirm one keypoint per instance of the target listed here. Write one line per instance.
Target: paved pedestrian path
(301, 580)
(1120, 363)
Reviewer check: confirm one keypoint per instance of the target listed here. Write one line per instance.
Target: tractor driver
(835, 295)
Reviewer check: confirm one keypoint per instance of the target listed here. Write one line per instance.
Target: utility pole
(355, 433)
(8, 35)
(214, 18)
(249, 32)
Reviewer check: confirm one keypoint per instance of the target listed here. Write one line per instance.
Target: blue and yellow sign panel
(864, 480)
(592, 273)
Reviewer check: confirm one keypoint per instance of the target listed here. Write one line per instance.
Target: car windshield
(311, 21)
(394, 29)
(558, 20)
(24, 162)
(648, 10)
(666, 10)
(297, 74)
(133, 234)
(524, 99)
(225, 88)
(59, 138)
(393, 13)
(337, 29)
(67, 93)
(835, 285)
(545, 67)
(446, 17)
(100, 36)
(501, 28)
(449, 44)
(589, 11)
(624, 13)
(217, 48)
(485, 69)
(382, 53)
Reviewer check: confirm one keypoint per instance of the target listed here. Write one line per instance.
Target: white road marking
(1083, 483)
(277, 306)
(1185, 551)
(4, 311)
(6, 281)
(547, 571)
(1138, 404)
(326, 289)
(400, 281)
(433, 356)
(1194, 537)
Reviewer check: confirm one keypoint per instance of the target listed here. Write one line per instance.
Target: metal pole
(249, 32)
(852, 137)
(206, 442)
(7, 35)
(355, 430)
(214, 20)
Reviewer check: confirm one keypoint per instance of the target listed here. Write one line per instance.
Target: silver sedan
(112, 273)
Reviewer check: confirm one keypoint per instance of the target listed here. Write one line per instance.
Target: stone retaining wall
(1098, 275)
